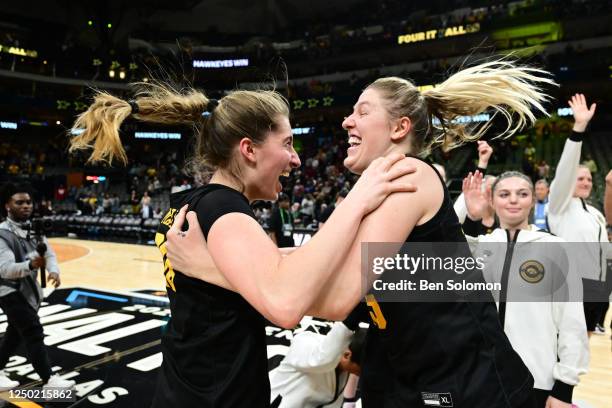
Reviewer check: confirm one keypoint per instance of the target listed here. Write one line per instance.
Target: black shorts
(592, 312)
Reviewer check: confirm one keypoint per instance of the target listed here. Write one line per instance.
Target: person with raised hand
(570, 216)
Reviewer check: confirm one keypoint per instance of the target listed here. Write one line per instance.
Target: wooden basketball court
(126, 267)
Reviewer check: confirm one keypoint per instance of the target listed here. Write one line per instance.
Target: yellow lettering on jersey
(169, 273)
(160, 241)
(169, 217)
(376, 313)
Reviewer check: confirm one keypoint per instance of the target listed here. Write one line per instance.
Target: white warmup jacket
(460, 208)
(544, 330)
(307, 376)
(572, 219)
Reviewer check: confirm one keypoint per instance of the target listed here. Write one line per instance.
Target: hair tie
(134, 105)
(212, 104)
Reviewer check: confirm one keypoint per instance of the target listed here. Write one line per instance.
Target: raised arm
(484, 155)
(564, 183)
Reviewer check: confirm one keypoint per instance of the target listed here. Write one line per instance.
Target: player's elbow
(284, 312)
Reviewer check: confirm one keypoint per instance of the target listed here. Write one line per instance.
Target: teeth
(285, 174)
(354, 141)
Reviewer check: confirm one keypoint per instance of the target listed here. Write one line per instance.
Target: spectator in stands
(307, 209)
(281, 223)
(45, 208)
(107, 203)
(543, 170)
(60, 193)
(115, 204)
(92, 202)
(134, 202)
(157, 186)
(295, 213)
(590, 164)
(540, 211)
(145, 206)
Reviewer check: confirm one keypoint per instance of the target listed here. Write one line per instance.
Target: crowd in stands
(143, 188)
(327, 35)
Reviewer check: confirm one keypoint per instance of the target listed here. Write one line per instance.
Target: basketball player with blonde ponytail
(442, 354)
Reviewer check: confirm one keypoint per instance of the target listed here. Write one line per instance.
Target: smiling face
(512, 200)
(584, 183)
(276, 157)
(369, 131)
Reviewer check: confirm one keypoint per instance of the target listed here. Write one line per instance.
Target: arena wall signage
(18, 51)
(8, 125)
(96, 179)
(438, 33)
(528, 35)
(158, 135)
(303, 130)
(213, 64)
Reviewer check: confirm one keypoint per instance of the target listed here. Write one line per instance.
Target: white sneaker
(599, 329)
(6, 383)
(55, 381)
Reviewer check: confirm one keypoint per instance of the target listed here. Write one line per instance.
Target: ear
(347, 354)
(401, 128)
(247, 149)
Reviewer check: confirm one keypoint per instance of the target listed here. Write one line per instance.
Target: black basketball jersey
(214, 348)
(452, 354)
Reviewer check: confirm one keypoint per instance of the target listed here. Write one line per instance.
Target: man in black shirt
(281, 223)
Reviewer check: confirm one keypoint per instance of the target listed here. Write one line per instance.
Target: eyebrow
(361, 104)
(508, 190)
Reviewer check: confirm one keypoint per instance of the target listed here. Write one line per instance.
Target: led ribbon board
(438, 33)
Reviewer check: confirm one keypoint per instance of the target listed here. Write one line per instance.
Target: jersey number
(376, 313)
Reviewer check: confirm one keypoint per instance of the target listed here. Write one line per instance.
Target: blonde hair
(500, 86)
(237, 115)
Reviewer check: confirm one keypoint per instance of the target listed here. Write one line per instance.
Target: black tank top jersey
(214, 349)
(442, 354)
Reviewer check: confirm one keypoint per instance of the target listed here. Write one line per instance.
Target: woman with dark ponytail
(420, 354)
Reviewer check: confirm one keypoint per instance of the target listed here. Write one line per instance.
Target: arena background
(103, 326)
